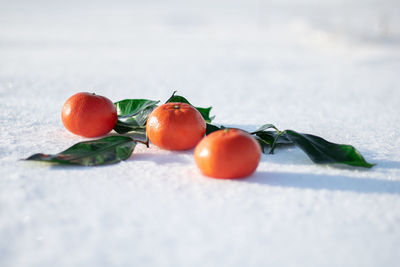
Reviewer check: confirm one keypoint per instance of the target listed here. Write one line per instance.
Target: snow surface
(329, 69)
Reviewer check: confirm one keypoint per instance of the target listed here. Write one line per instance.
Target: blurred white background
(329, 68)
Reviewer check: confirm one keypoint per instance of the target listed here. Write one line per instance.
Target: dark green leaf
(321, 151)
(262, 143)
(275, 143)
(123, 127)
(131, 107)
(133, 114)
(177, 98)
(205, 112)
(108, 150)
(211, 128)
(265, 127)
(271, 139)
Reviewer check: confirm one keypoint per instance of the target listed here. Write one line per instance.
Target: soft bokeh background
(329, 68)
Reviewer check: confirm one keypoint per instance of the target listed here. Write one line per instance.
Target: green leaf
(205, 112)
(262, 143)
(212, 128)
(318, 149)
(131, 107)
(322, 152)
(133, 114)
(123, 127)
(264, 127)
(270, 138)
(108, 150)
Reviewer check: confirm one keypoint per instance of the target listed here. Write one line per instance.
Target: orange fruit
(89, 115)
(227, 153)
(175, 126)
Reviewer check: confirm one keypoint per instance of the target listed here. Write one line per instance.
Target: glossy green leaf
(133, 114)
(131, 107)
(122, 128)
(205, 112)
(321, 151)
(108, 150)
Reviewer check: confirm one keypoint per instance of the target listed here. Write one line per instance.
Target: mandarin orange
(89, 115)
(227, 153)
(175, 126)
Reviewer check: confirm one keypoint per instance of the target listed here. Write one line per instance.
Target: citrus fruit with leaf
(175, 126)
(89, 115)
(228, 153)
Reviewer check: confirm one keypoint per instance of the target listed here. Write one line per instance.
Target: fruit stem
(144, 143)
